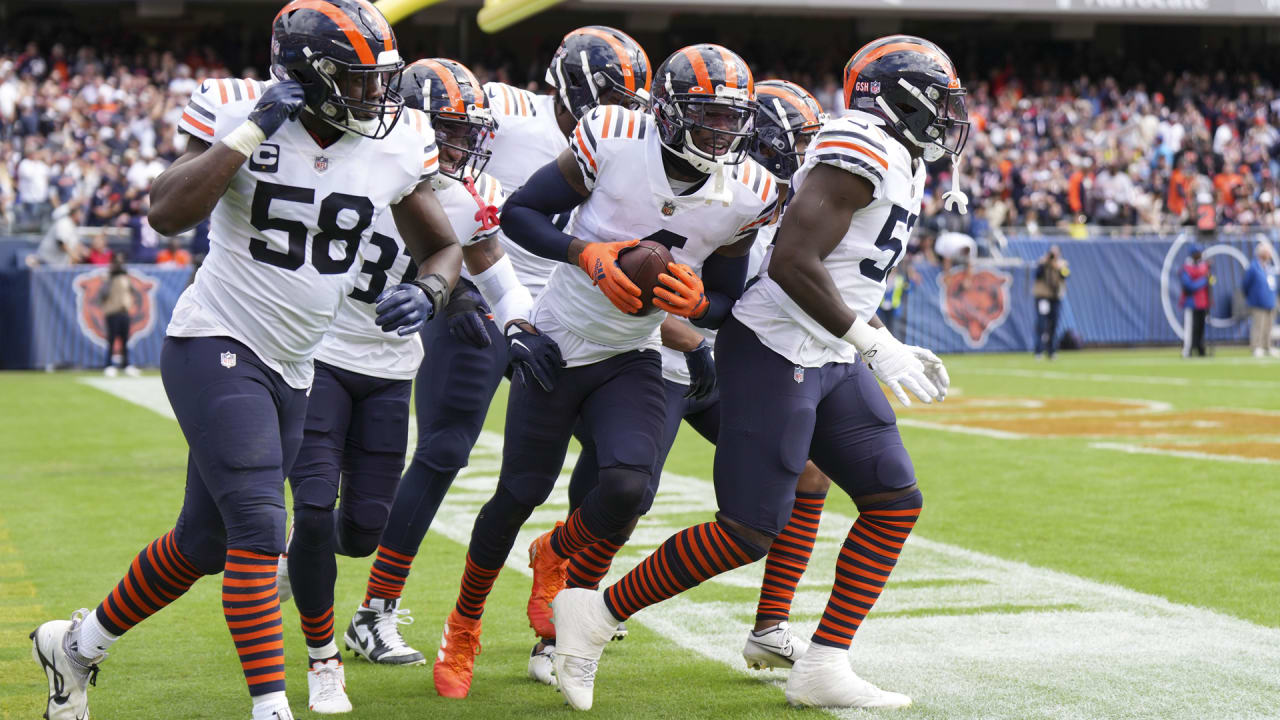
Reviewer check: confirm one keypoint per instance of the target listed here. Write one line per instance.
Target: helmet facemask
(779, 146)
(580, 93)
(932, 118)
(467, 136)
(355, 98)
(709, 131)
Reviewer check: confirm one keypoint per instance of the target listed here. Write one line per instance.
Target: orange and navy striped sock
(317, 628)
(252, 609)
(388, 574)
(788, 558)
(570, 538)
(685, 560)
(476, 584)
(868, 556)
(589, 566)
(158, 576)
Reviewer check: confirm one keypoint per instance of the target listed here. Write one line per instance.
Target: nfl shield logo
(668, 208)
(228, 359)
(875, 87)
(798, 374)
(322, 163)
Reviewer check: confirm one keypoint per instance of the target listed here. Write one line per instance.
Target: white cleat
(584, 626)
(775, 647)
(621, 632)
(542, 665)
(111, 371)
(374, 634)
(823, 678)
(69, 676)
(327, 687)
(132, 371)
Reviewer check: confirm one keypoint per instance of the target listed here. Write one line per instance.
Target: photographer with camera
(1049, 288)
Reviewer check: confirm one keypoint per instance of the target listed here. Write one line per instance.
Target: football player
(292, 174)
(666, 177)
(466, 355)
(792, 386)
(358, 414)
(789, 117)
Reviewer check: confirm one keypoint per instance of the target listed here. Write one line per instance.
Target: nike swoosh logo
(522, 345)
(204, 86)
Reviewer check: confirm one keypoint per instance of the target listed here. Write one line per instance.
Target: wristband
(436, 289)
(861, 335)
(245, 139)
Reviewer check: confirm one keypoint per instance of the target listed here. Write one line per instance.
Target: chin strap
(955, 199)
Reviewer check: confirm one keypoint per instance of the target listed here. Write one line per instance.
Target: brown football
(643, 263)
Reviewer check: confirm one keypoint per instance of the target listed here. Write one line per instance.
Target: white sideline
(967, 635)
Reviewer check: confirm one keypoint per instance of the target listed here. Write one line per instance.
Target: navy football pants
(775, 415)
(243, 425)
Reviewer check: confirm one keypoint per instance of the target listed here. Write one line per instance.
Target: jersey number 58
(894, 234)
(296, 230)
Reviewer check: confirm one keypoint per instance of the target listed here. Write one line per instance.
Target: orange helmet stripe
(342, 20)
(878, 52)
(450, 85)
(387, 37)
(699, 70)
(792, 100)
(624, 58)
(478, 89)
(730, 67)
(648, 68)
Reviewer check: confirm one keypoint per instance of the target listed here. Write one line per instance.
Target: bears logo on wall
(975, 302)
(89, 298)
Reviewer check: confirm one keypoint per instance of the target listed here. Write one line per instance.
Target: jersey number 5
(893, 236)
(296, 230)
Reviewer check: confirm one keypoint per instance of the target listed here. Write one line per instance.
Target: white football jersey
(528, 138)
(871, 247)
(285, 236)
(620, 156)
(355, 342)
(674, 367)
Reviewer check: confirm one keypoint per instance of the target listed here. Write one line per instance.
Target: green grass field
(1101, 539)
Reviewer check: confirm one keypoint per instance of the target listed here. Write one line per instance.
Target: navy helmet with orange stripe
(344, 55)
(598, 65)
(704, 102)
(910, 84)
(788, 119)
(464, 126)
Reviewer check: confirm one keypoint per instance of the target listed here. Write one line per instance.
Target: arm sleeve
(526, 216)
(723, 280)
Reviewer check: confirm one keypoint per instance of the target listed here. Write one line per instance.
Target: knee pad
(496, 527)
(207, 555)
(359, 529)
(445, 450)
(312, 526)
(623, 490)
(894, 470)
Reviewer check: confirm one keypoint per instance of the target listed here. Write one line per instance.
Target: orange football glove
(681, 293)
(600, 262)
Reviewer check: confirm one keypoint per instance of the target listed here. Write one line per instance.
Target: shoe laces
(385, 627)
(586, 670)
(329, 678)
(463, 645)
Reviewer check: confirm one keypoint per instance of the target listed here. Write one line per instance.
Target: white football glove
(897, 366)
(933, 369)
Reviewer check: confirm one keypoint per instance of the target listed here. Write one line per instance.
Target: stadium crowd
(83, 133)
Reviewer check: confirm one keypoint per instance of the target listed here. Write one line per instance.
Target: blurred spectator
(955, 249)
(60, 246)
(99, 253)
(173, 254)
(117, 305)
(1049, 288)
(1196, 281)
(33, 189)
(893, 307)
(1260, 293)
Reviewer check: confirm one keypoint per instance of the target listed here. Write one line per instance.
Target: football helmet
(594, 61)
(705, 106)
(344, 55)
(448, 91)
(910, 84)
(788, 116)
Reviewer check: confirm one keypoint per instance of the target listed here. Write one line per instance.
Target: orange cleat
(549, 574)
(456, 659)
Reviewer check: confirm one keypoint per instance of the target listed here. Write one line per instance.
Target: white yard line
(968, 635)
(1188, 454)
(1133, 379)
